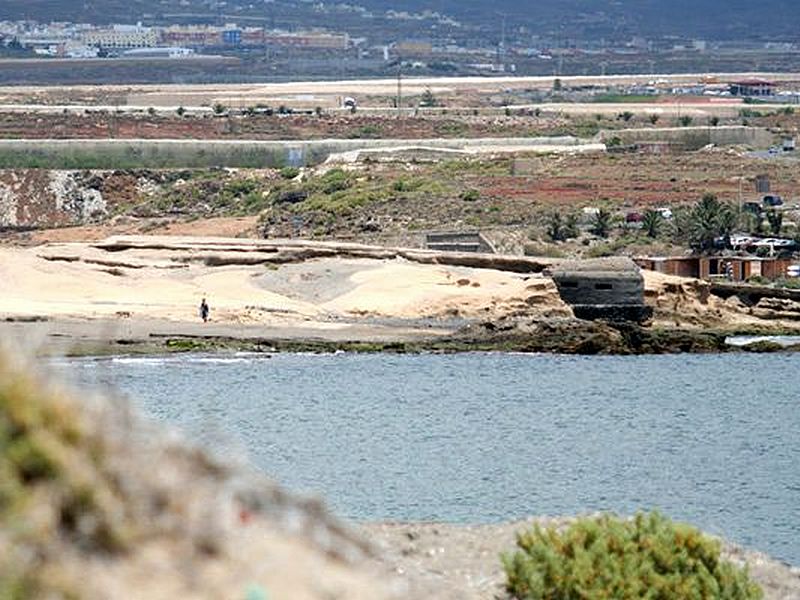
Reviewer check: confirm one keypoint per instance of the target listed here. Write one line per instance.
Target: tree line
(704, 225)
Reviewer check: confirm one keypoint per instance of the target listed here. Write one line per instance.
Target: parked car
(741, 242)
(772, 200)
(633, 217)
(774, 243)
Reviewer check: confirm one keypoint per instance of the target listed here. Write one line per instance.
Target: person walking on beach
(204, 310)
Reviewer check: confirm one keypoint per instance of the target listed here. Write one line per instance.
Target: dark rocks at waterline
(575, 336)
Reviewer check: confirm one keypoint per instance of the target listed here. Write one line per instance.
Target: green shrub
(648, 556)
(334, 180)
(290, 195)
(600, 250)
(792, 284)
(241, 187)
(289, 172)
(366, 131)
(750, 113)
(470, 195)
(406, 185)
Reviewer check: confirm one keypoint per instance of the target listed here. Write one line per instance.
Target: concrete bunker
(611, 289)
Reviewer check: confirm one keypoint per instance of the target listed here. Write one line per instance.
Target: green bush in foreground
(647, 557)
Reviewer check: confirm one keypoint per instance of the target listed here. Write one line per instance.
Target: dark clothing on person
(204, 310)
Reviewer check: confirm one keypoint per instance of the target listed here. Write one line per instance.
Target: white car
(773, 242)
(742, 241)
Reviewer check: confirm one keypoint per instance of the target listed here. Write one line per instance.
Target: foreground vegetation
(49, 482)
(646, 557)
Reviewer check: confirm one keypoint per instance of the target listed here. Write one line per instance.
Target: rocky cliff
(34, 198)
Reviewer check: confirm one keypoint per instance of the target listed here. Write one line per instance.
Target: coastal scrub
(648, 556)
(49, 487)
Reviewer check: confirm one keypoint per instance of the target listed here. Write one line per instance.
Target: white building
(121, 37)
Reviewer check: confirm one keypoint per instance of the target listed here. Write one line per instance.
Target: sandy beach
(76, 292)
(138, 290)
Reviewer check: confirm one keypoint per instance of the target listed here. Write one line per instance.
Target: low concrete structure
(180, 153)
(610, 289)
(471, 241)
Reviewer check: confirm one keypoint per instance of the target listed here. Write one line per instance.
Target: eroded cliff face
(36, 198)
(33, 198)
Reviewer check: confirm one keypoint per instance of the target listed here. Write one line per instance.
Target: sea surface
(710, 439)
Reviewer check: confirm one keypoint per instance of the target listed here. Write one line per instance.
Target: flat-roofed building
(752, 87)
(121, 36)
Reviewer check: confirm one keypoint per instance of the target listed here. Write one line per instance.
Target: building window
(603, 286)
(569, 284)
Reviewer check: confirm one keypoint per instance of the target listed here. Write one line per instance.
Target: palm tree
(727, 221)
(559, 228)
(601, 223)
(652, 222)
(751, 222)
(775, 220)
(710, 219)
(681, 224)
(571, 229)
(554, 227)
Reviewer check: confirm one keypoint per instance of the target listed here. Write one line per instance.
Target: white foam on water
(744, 340)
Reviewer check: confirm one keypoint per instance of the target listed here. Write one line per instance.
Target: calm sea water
(713, 440)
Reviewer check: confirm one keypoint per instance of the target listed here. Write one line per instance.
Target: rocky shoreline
(518, 334)
(139, 294)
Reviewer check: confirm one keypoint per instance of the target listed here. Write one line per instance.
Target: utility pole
(560, 62)
(741, 178)
(501, 47)
(399, 87)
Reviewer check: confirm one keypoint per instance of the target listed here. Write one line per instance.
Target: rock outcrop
(32, 198)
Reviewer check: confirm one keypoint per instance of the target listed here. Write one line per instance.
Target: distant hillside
(716, 19)
(570, 19)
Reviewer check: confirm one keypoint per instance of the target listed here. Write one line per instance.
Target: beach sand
(60, 294)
